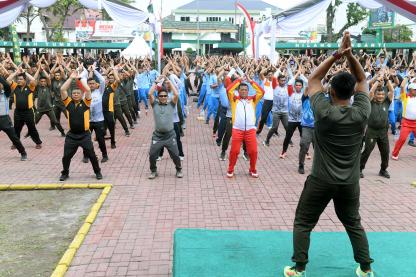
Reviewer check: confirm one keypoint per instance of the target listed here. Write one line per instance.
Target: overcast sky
(169, 5)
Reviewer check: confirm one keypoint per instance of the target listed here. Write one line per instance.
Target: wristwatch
(336, 55)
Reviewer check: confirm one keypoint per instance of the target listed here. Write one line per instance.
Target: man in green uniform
(377, 131)
(339, 131)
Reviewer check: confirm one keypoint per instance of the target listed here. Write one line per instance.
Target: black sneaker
(384, 173)
(179, 174)
(113, 146)
(23, 157)
(222, 156)
(411, 143)
(127, 133)
(63, 177)
(153, 175)
(98, 175)
(63, 134)
(85, 160)
(362, 175)
(266, 143)
(104, 159)
(301, 169)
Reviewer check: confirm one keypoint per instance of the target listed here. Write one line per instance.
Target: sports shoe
(265, 143)
(411, 143)
(291, 272)
(132, 127)
(384, 173)
(361, 273)
(153, 175)
(63, 134)
(104, 159)
(254, 174)
(283, 155)
(127, 133)
(308, 157)
(23, 157)
(222, 156)
(98, 175)
(63, 177)
(301, 169)
(12, 147)
(38, 146)
(113, 146)
(27, 135)
(291, 143)
(179, 174)
(395, 158)
(181, 158)
(159, 159)
(246, 157)
(230, 174)
(85, 160)
(361, 174)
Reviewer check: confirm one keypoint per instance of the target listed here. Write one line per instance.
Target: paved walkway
(132, 235)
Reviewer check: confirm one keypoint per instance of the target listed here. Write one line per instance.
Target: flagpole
(160, 40)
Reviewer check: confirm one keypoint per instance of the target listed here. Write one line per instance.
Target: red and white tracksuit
(244, 124)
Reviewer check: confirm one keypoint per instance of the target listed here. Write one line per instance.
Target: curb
(76, 243)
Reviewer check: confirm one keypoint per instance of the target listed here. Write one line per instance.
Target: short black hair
(299, 81)
(159, 92)
(281, 76)
(343, 84)
(242, 84)
(269, 71)
(90, 79)
(42, 78)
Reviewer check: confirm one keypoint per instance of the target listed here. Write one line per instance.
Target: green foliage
(189, 51)
(400, 33)
(355, 14)
(369, 31)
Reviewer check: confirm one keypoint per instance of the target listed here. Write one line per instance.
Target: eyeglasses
(163, 96)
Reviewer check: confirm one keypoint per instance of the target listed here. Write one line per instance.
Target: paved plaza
(133, 233)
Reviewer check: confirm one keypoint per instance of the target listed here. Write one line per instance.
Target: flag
(250, 24)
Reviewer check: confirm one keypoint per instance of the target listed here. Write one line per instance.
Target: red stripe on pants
(249, 137)
(407, 127)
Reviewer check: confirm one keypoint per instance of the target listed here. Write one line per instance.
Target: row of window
(208, 19)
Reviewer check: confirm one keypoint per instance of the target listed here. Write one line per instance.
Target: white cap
(412, 86)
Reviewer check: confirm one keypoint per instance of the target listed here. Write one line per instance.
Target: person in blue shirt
(143, 85)
(213, 100)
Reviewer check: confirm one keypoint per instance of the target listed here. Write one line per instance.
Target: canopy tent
(122, 13)
(138, 48)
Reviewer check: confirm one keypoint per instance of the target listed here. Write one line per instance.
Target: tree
(355, 14)
(61, 10)
(399, 33)
(29, 15)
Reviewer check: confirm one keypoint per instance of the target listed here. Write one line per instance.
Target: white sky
(169, 5)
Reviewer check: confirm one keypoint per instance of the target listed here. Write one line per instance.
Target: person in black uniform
(44, 104)
(23, 100)
(377, 131)
(58, 105)
(108, 105)
(79, 134)
(5, 121)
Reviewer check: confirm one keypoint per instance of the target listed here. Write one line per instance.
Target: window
(213, 19)
(231, 19)
(185, 18)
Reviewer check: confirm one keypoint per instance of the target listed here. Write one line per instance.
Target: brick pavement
(132, 235)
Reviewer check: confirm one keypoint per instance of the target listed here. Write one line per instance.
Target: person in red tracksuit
(243, 109)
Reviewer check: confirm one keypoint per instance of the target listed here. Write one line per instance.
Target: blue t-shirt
(307, 119)
(143, 80)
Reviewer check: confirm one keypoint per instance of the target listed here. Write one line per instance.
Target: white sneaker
(159, 159)
(181, 158)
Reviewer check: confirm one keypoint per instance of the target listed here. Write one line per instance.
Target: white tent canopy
(138, 48)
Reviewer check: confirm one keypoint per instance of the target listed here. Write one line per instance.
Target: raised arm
(6, 86)
(66, 85)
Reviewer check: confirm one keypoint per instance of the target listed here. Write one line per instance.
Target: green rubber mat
(211, 253)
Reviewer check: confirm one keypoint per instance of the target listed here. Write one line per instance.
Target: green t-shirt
(338, 135)
(379, 117)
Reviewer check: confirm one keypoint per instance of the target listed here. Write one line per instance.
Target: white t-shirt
(268, 89)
